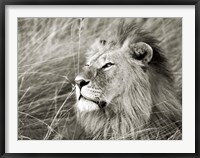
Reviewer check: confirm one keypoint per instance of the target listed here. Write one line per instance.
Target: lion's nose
(80, 81)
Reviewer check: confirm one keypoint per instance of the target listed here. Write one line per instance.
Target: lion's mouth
(101, 104)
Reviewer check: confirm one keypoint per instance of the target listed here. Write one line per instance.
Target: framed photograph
(99, 78)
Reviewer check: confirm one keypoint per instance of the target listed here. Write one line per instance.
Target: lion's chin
(85, 105)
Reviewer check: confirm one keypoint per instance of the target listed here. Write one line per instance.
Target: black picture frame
(4, 3)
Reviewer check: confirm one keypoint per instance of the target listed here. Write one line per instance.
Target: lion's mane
(150, 111)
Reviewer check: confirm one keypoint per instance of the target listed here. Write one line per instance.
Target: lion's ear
(141, 51)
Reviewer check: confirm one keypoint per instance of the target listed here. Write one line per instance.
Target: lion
(126, 88)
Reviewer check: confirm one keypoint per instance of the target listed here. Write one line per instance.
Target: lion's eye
(107, 65)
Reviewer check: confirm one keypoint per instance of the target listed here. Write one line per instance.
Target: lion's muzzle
(88, 97)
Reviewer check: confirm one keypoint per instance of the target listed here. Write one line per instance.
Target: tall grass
(50, 55)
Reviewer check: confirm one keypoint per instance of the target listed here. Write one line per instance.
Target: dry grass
(50, 55)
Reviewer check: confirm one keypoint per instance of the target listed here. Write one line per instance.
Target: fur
(148, 108)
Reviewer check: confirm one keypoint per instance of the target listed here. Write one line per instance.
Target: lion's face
(125, 88)
(105, 77)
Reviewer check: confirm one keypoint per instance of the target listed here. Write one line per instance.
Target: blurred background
(51, 52)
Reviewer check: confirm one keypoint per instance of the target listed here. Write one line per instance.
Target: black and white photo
(99, 78)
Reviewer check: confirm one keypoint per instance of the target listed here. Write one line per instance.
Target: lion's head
(124, 83)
